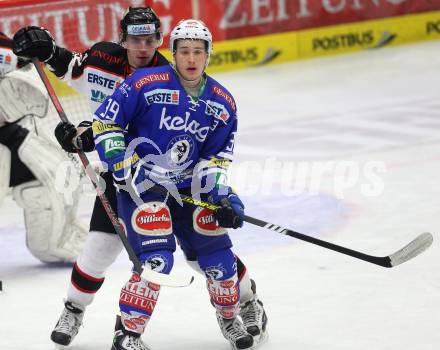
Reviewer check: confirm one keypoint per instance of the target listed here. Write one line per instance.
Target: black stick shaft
(91, 173)
(381, 261)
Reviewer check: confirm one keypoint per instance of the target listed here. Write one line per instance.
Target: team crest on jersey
(179, 150)
(152, 219)
(217, 110)
(162, 96)
(204, 223)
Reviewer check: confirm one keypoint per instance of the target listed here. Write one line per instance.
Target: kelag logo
(433, 27)
(365, 39)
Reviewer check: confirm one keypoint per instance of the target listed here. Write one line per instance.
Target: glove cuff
(218, 193)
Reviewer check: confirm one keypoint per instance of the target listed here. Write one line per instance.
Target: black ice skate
(68, 324)
(254, 319)
(125, 340)
(234, 331)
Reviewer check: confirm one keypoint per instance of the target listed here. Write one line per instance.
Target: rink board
(331, 40)
(340, 39)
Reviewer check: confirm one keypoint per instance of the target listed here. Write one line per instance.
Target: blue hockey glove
(231, 211)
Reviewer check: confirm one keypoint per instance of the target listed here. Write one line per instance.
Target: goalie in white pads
(29, 165)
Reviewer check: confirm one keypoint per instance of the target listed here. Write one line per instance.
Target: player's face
(190, 58)
(141, 49)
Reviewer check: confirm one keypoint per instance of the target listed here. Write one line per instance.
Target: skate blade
(260, 340)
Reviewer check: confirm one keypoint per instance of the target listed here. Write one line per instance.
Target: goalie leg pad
(5, 170)
(52, 232)
(12, 136)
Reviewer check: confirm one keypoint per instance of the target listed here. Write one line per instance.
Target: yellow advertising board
(254, 51)
(276, 48)
(368, 35)
(251, 52)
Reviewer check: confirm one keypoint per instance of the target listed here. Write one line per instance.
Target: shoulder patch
(228, 98)
(106, 56)
(217, 110)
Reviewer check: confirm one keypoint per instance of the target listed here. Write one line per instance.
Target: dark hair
(139, 15)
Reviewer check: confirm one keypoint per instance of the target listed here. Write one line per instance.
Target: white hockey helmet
(191, 29)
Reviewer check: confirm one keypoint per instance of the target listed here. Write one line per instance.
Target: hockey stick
(411, 250)
(149, 275)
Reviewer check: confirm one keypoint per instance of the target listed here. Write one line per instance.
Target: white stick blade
(412, 249)
(165, 280)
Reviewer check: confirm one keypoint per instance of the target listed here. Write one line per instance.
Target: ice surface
(341, 114)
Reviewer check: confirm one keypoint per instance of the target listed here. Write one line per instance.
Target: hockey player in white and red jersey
(97, 72)
(28, 164)
(175, 127)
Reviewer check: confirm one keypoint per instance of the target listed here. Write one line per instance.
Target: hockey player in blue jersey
(175, 127)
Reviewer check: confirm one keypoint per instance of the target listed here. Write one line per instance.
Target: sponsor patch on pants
(152, 219)
(204, 223)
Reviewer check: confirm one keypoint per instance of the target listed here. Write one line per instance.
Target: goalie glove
(33, 42)
(73, 139)
(231, 211)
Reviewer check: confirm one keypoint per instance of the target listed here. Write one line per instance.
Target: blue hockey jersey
(152, 118)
